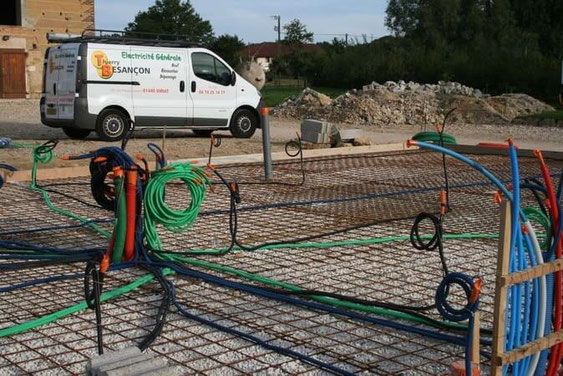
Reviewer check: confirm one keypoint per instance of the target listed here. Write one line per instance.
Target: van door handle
(182, 86)
(55, 89)
(193, 86)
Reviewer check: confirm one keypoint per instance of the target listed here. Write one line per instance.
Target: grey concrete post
(266, 145)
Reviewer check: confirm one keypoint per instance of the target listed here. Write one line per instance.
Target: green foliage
(553, 115)
(229, 47)
(402, 16)
(498, 46)
(299, 63)
(296, 33)
(173, 17)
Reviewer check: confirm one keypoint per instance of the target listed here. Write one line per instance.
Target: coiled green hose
(536, 215)
(158, 212)
(431, 136)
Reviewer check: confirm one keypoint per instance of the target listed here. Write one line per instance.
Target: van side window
(210, 68)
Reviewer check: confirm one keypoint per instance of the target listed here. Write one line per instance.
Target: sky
(251, 19)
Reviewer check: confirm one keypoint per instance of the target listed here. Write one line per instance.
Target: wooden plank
(52, 173)
(500, 291)
(535, 272)
(310, 153)
(81, 171)
(475, 345)
(480, 150)
(529, 348)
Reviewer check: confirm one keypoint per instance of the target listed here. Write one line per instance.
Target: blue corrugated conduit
(534, 316)
(7, 167)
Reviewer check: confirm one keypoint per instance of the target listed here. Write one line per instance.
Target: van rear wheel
(76, 134)
(112, 125)
(243, 123)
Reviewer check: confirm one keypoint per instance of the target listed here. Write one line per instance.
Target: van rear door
(60, 81)
(160, 93)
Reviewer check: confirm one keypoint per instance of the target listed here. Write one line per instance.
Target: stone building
(266, 52)
(24, 25)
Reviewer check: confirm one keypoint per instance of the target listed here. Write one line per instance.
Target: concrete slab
(350, 134)
(316, 126)
(111, 357)
(316, 138)
(138, 368)
(104, 369)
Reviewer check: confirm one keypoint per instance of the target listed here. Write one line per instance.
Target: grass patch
(552, 115)
(274, 95)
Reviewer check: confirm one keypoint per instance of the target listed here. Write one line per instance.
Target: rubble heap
(396, 103)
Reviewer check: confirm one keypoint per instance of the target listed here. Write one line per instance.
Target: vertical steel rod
(266, 145)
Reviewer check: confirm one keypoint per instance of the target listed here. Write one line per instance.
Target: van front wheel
(243, 123)
(112, 125)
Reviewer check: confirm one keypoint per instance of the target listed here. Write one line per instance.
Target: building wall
(38, 18)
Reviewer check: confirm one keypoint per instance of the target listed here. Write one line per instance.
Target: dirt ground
(20, 120)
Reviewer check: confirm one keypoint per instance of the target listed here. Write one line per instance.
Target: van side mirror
(233, 78)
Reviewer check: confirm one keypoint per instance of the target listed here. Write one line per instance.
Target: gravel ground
(20, 120)
(390, 272)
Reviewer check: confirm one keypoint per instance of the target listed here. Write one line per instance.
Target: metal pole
(266, 146)
(279, 29)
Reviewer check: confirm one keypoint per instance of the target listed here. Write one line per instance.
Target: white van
(105, 86)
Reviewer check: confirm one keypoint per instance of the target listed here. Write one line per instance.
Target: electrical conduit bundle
(534, 325)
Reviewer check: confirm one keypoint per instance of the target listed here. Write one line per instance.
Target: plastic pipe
(495, 181)
(131, 194)
(555, 355)
(266, 145)
(121, 214)
(543, 300)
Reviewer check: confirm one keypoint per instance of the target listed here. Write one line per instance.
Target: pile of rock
(399, 103)
(443, 87)
(309, 97)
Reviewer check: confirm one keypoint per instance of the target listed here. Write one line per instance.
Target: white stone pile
(410, 103)
(442, 87)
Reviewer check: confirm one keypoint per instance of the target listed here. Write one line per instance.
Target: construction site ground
(390, 188)
(20, 120)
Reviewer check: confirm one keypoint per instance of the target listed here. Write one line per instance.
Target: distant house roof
(271, 49)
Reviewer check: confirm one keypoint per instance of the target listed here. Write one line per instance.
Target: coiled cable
(435, 242)
(158, 212)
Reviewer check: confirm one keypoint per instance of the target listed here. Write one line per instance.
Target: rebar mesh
(390, 188)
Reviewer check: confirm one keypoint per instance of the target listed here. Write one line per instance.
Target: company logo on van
(102, 64)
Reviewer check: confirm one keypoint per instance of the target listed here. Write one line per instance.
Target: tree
(173, 17)
(229, 47)
(402, 16)
(297, 33)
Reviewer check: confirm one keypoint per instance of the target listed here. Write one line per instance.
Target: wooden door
(12, 74)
